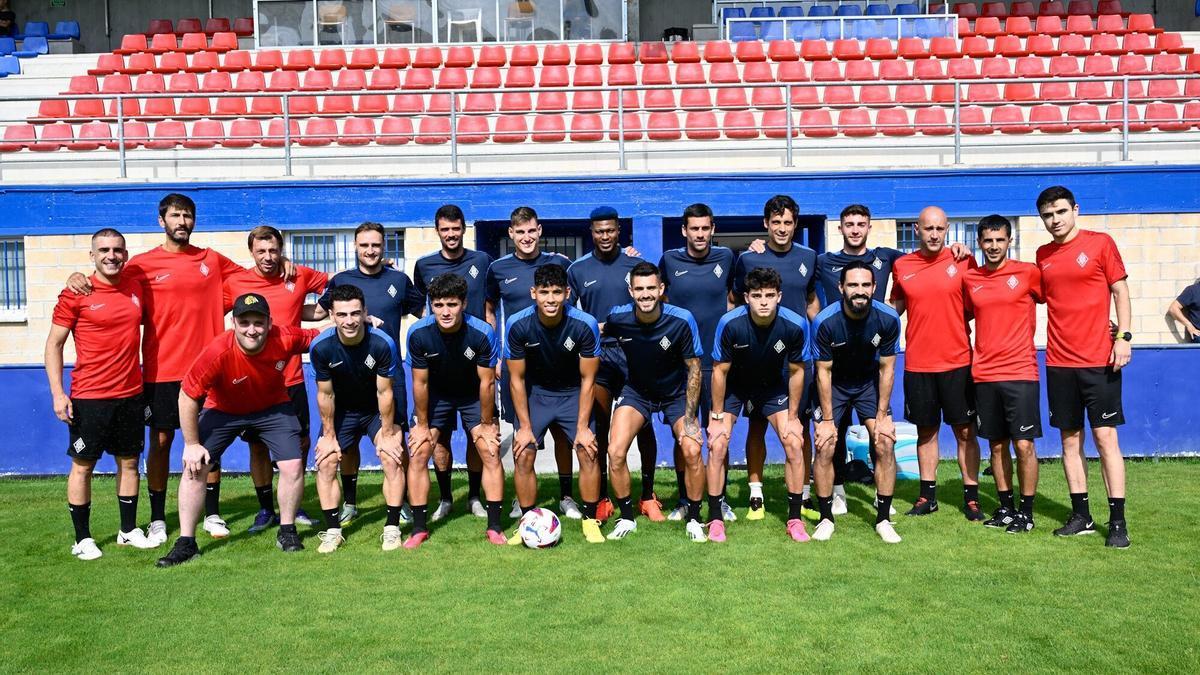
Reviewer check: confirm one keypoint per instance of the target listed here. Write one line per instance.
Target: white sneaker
(680, 512)
(516, 510)
(839, 505)
(442, 510)
(216, 527)
(390, 537)
(331, 539)
(348, 513)
(477, 509)
(887, 533)
(824, 530)
(86, 550)
(570, 509)
(156, 533)
(135, 538)
(727, 511)
(695, 531)
(622, 528)
(406, 514)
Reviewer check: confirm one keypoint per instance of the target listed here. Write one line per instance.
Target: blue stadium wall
(1160, 388)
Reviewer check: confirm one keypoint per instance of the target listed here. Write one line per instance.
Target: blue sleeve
(739, 274)
(324, 300)
(419, 278)
(388, 357)
(416, 350)
(514, 342)
(414, 300)
(493, 287)
(589, 336)
(889, 342)
(1190, 297)
(488, 353)
(573, 284)
(721, 352)
(320, 364)
(692, 350)
(822, 343)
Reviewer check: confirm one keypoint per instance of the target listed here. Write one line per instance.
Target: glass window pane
(345, 22)
(467, 21)
(12, 274)
(285, 23)
(405, 21)
(592, 19)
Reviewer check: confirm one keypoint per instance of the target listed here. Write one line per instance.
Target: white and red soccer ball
(540, 528)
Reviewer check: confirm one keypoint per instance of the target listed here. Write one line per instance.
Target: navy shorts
(444, 414)
(560, 410)
(757, 403)
(862, 398)
(350, 426)
(107, 425)
(1009, 410)
(705, 406)
(672, 409)
(400, 397)
(613, 369)
(931, 398)
(298, 394)
(276, 427)
(1073, 391)
(504, 394)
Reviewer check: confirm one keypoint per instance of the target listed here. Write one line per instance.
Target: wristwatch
(718, 416)
(1126, 336)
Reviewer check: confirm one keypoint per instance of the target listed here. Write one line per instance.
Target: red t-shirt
(183, 306)
(1003, 302)
(285, 298)
(239, 383)
(937, 334)
(107, 328)
(1076, 279)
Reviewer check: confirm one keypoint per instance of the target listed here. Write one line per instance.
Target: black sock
(266, 497)
(393, 515)
(445, 492)
(825, 506)
(970, 494)
(929, 490)
(288, 528)
(420, 518)
(128, 509)
(212, 499)
(883, 508)
(493, 515)
(474, 482)
(350, 488)
(1027, 505)
(647, 483)
(1079, 504)
(331, 518)
(625, 504)
(1116, 509)
(589, 510)
(81, 518)
(693, 512)
(1006, 499)
(564, 485)
(602, 462)
(158, 504)
(725, 483)
(526, 509)
(795, 502)
(714, 508)
(681, 485)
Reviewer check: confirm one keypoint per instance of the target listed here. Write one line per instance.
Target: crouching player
(855, 342)
(553, 353)
(354, 365)
(755, 344)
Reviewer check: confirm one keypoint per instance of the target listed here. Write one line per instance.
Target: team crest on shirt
(779, 346)
(1082, 259)
(718, 271)
(290, 286)
(279, 365)
(627, 278)
(803, 270)
(951, 270)
(474, 271)
(1012, 282)
(877, 264)
(79, 445)
(569, 343)
(392, 290)
(875, 340)
(203, 269)
(469, 353)
(664, 343)
(370, 362)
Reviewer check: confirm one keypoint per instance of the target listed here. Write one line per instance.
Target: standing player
(855, 342)
(354, 365)
(104, 410)
(937, 359)
(554, 348)
(1002, 295)
(662, 352)
(453, 357)
(754, 345)
(390, 295)
(697, 277)
(1080, 271)
(239, 377)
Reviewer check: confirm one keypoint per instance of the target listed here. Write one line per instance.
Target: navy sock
(825, 506)
(589, 510)
(443, 481)
(420, 518)
(331, 518)
(128, 509)
(625, 504)
(693, 512)
(350, 488)
(81, 518)
(1079, 504)
(158, 504)
(647, 483)
(970, 494)
(288, 528)
(1027, 505)
(681, 485)
(212, 499)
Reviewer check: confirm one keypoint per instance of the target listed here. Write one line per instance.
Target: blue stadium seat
(908, 28)
(906, 9)
(772, 30)
(761, 12)
(65, 30)
(732, 13)
(865, 30)
(791, 11)
(35, 29)
(820, 10)
(9, 65)
(889, 29)
(849, 10)
(806, 30)
(879, 10)
(7, 46)
(31, 47)
(742, 31)
(928, 28)
(831, 30)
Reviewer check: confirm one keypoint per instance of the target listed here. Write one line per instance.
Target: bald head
(931, 229)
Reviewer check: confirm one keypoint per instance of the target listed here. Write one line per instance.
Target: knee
(1025, 450)
(84, 468)
(525, 462)
(291, 469)
(691, 453)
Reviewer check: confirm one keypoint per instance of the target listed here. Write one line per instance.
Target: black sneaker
(923, 507)
(1118, 535)
(1001, 517)
(182, 552)
(972, 512)
(1020, 523)
(289, 542)
(1076, 524)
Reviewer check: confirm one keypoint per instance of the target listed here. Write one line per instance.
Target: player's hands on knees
(419, 436)
(391, 445)
(63, 409)
(79, 284)
(1122, 353)
(585, 440)
(326, 447)
(826, 433)
(691, 429)
(523, 442)
(195, 456)
(490, 434)
(885, 427)
(794, 427)
(716, 429)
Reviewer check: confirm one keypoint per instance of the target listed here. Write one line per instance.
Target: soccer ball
(540, 528)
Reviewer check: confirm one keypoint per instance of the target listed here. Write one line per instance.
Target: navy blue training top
(552, 354)
(797, 268)
(353, 368)
(389, 296)
(655, 352)
(452, 358)
(599, 286)
(701, 286)
(853, 345)
(829, 272)
(510, 278)
(758, 356)
(471, 265)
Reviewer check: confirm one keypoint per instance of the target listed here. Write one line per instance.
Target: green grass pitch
(953, 597)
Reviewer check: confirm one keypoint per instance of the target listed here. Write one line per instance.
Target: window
(570, 246)
(12, 279)
(961, 230)
(333, 251)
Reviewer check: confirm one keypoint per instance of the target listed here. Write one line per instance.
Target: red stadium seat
(589, 54)
(860, 71)
(814, 50)
(1116, 115)
(224, 42)
(372, 104)
(629, 100)
(408, 104)
(193, 42)
(384, 78)
(107, 64)
(276, 136)
(1163, 116)
(589, 76)
(351, 80)
(838, 95)
(1171, 43)
(966, 10)
(620, 75)
(1055, 91)
(765, 98)
(1084, 7)
(1166, 64)
(740, 125)
(195, 107)
(627, 127)
(977, 48)
(319, 132)
(1142, 23)
(757, 72)
(660, 99)
(516, 101)
(995, 67)
(973, 121)
(299, 59)
(83, 84)
(395, 57)
(783, 50)
(932, 122)
(910, 48)
(1052, 8)
(718, 73)
(555, 76)
(1089, 90)
(1086, 118)
(427, 57)
(283, 80)
(395, 131)
(140, 63)
(452, 78)
(205, 134)
(855, 122)
(791, 71)
(750, 52)
(1020, 92)
(690, 73)
(910, 94)
(944, 48)
(183, 83)
(894, 70)
(191, 25)
(621, 52)
(1073, 45)
(202, 62)
(1078, 24)
(594, 100)
(93, 135)
(701, 125)
(493, 56)
(556, 101)
(844, 50)
(663, 126)
(816, 124)
(117, 84)
(511, 129)
(928, 70)
(519, 77)
(1111, 24)
(894, 122)
(243, 134)
(331, 59)
(685, 52)
(1138, 43)
(1191, 114)
(775, 124)
(418, 78)
(317, 80)
(485, 77)
(1020, 26)
(52, 109)
(267, 106)
(440, 104)
(1163, 90)
(962, 69)
(163, 43)
(1132, 64)
(1041, 45)
(217, 25)
(587, 128)
(131, 44)
(652, 52)
(826, 71)
(337, 105)
(996, 9)
(549, 129)
(302, 106)
(361, 131)
(17, 137)
(1049, 25)
(1109, 7)
(172, 62)
(267, 60)
(988, 27)
(160, 26)
(1009, 46)
(880, 49)
(460, 56)
(231, 106)
(732, 99)
(150, 83)
(985, 92)
(216, 83)
(1030, 66)
(1098, 65)
(806, 96)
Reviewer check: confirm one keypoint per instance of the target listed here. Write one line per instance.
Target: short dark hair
(776, 205)
(263, 232)
(346, 293)
(603, 213)
(697, 210)
(370, 226)
(855, 210)
(763, 277)
(549, 276)
(521, 215)
(1053, 194)
(178, 201)
(644, 269)
(107, 232)
(856, 265)
(448, 285)
(449, 212)
(994, 222)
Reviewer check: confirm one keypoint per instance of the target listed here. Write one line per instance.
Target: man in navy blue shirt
(354, 365)
(662, 351)
(754, 346)
(698, 277)
(391, 295)
(453, 356)
(855, 342)
(553, 352)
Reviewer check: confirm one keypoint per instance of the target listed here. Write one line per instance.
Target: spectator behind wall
(1186, 310)
(8, 20)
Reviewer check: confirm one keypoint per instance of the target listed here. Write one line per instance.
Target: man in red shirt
(104, 410)
(287, 300)
(241, 380)
(1002, 295)
(927, 283)
(1080, 271)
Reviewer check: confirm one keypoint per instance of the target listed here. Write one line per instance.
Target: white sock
(756, 490)
(839, 490)
(805, 492)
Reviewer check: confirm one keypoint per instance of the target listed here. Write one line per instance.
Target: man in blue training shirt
(662, 350)
(754, 346)
(453, 358)
(354, 365)
(855, 344)
(553, 353)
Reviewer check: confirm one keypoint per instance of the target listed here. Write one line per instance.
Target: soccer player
(104, 409)
(240, 379)
(697, 276)
(937, 360)
(754, 346)
(287, 300)
(1186, 310)
(354, 365)
(453, 357)
(1002, 295)
(553, 352)
(662, 352)
(600, 282)
(391, 295)
(855, 343)
(1080, 271)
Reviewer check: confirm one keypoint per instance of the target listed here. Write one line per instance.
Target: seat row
(990, 26)
(166, 43)
(1046, 8)
(31, 47)
(243, 27)
(63, 30)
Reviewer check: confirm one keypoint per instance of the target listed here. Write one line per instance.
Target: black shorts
(400, 398)
(504, 401)
(276, 427)
(444, 414)
(111, 425)
(862, 398)
(931, 398)
(162, 405)
(1070, 391)
(298, 394)
(1009, 410)
(612, 372)
(350, 426)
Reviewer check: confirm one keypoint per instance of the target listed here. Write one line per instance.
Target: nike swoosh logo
(975, 289)
(589, 283)
(162, 277)
(95, 307)
(335, 365)
(534, 344)
(835, 269)
(740, 346)
(1027, 428)
(680, 273)
(909, 276)
(509, 281)
(433, 354)
(1108, 415)
(125, 501)
(781, 401)
(239, 380)
(624, 339)
(838, 344)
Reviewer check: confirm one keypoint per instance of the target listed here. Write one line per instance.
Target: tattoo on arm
(693, 387)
